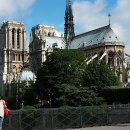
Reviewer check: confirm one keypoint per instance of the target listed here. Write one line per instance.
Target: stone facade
(113, 55)
(43, 39)
(128, 72)
(101, 44)
(12, 51)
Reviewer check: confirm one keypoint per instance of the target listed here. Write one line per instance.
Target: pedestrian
(2, 112)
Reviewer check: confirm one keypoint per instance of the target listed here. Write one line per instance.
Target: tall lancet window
(110, 59)
(18, 38)
(13, 31)
(119, 58)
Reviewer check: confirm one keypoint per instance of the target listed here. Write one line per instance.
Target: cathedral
(43, 39)
(16, 63)
(101, 43)
(13, 51)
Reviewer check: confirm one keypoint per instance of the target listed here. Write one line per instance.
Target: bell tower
(69, 25)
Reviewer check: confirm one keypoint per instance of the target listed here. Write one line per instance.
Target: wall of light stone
(12, 49)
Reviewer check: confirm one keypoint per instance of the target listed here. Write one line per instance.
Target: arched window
(111, 58)
(13, 32)
(119, 58)
(49, 34)
(19, 57)
(14, 69)
(13, 57)
(16, 57)
(18, 38)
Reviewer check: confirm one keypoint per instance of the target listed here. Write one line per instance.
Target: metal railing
(63, 118)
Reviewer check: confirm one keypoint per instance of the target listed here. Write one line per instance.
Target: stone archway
(111, 59)
(14, 69)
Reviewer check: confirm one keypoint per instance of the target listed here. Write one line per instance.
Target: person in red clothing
(2, 104)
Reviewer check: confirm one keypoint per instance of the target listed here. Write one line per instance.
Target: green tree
(70, 95)
(66, 79)
(61, 67)
(23, 93)
(29, 95)
(97, 73)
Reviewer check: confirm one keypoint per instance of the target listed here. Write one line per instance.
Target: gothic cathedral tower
(69, 25)
(12, 52)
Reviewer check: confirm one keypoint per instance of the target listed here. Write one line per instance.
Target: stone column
(20, 39)
(15, 38)
(115, 60)
(121, 77)
(43, 56)
(10, 38)
(115, 57)
(16, 57)
(9, 46)
(128, 75)
(24, 43)
(6, 37)
(5, 60)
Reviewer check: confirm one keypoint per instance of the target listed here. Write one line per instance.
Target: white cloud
(121, 17)
(14, 8)
(90, 15)
(120, 12)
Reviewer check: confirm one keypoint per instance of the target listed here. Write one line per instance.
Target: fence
(63, 118)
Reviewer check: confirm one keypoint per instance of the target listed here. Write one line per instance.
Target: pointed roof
(69, 24)
(68, 7)
(103, 35)
(68, 4)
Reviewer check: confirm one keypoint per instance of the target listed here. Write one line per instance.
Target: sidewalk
(114, 127)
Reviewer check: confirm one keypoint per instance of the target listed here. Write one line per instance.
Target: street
(114, 127)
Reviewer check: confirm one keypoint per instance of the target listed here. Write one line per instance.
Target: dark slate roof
(101, 35)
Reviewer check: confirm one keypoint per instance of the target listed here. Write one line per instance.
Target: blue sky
(88, 14)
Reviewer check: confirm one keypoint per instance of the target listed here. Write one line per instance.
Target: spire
(68, 6)
(69, 25)
(68, 3)
(109, 15)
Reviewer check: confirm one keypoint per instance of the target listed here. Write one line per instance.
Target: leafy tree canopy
(97, 73)
(66, 79)
(61, 67)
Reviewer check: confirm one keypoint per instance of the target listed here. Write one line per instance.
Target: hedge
(116, 95)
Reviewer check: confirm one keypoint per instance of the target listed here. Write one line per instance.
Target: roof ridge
(95, 30)
(101, 35)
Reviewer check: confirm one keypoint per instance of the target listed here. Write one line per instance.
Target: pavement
(114, 127)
